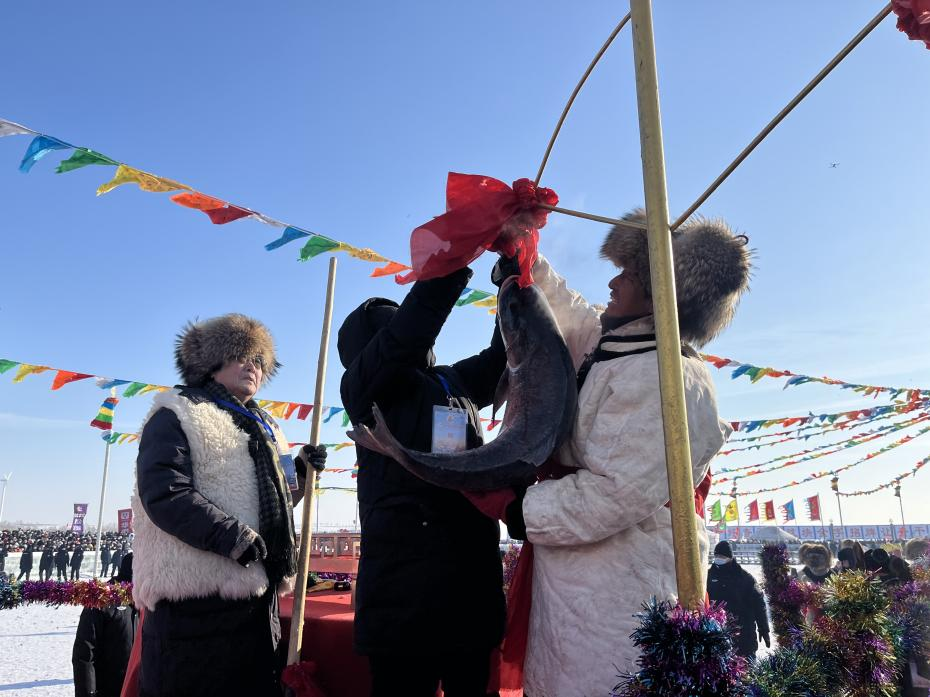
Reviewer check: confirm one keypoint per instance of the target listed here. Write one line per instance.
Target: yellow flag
(732, 512)
(363, 254)
(147, 182)
(25, 370)
(486, 302)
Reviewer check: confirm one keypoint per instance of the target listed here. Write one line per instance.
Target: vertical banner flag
(77, 525)
(716, 512)
(80, 510)
(754, 511)
(732, 512)
(787, 510)
(813, 507)
(104, 418)
(124, 525)
(770, 510)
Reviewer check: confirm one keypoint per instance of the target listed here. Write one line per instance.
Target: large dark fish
(541, 395)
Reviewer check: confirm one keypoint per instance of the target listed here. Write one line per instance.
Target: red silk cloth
(913, 19)
(482, 213)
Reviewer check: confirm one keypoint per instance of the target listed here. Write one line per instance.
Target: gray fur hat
(712, 270)
(202, 348)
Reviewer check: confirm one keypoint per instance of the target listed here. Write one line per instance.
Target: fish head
(525, 319)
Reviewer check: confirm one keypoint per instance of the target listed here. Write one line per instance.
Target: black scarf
(276, 520)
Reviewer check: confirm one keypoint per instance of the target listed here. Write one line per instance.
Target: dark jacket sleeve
(758, 604)
(83, 654)
(481, 373)
(404, 342)
(166, 489)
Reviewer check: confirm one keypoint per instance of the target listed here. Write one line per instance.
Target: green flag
(5, 365)
(716, 512)
(134, 389)
(317, 245)
(82, 158)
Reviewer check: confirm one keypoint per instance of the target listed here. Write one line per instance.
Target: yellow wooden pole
(688, 567)
(303, 560)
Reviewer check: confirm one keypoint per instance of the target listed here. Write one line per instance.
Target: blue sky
(345, 118)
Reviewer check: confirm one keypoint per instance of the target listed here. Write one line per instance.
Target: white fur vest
(164, 567)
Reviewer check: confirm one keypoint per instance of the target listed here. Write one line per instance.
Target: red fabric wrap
(482, 213)
(913, 19)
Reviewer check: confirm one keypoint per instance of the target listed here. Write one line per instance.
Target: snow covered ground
(35, 651)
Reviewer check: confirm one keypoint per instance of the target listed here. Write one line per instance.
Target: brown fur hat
(202, 348)
(712, 270)
(812, 552)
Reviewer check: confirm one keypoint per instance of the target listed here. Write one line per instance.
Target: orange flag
(389, 269)
(63, 377)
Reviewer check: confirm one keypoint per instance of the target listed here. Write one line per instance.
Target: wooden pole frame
(303, 559)
(689, 571)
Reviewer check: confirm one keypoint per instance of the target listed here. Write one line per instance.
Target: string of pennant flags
(828, 473)
(851, 442)
(887, 485)
(221, 212)
(756, 373)
(218, 210)
(817, 455)
(820, 419)
(132, 388)
(815, 430)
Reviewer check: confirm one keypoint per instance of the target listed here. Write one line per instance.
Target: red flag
(63, 377)
(221, 216)
(482, 213)
(813, 507)
(754, 511)
(770, 510)
(304, 411)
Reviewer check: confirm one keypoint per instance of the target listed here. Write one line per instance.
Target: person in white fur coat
(213, 517)
(602, 535)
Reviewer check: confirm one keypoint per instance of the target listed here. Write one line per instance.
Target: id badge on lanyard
(449, 425)
(290, 470)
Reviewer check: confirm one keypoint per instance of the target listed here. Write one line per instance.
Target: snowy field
(35, 651)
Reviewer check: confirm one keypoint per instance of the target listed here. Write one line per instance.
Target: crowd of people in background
(59, 553)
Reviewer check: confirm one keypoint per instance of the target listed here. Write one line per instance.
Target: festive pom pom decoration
(685, 653)
(786, 595)
(790, 672)
(93, 594)
(511, 557)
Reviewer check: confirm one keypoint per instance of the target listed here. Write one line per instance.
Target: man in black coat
(76, 559)
(116, 558)
(46, 561)
(3, 555)
(104, 560)
(103, 644)
(731, 584)
(25, 563)
(61, 563)
(429, 599)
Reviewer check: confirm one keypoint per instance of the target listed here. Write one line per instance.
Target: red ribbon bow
(482, 213)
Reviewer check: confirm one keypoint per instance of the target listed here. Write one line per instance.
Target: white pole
(3, 494)
(103, 496)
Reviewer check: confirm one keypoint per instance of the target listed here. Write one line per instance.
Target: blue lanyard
(246, 412)
(445, 386)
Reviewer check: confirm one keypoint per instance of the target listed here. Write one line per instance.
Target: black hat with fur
(202, 348)
(712, 269)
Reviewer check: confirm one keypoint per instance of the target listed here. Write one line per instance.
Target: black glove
(251, 547)
(310, 456)
(504, 269)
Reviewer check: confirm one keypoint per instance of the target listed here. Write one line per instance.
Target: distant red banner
(125, 520)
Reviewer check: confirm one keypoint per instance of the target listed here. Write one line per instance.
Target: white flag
(8, 128)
